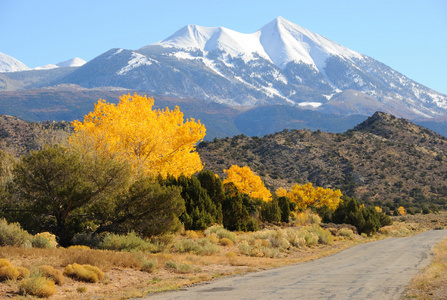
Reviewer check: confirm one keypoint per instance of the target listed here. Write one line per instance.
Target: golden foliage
(52, 273)
(86, 273)
(401, 210)
(38, 286)
(281, 192)
(247, 182)
(153, 141)
(378, 209)
(306, 195)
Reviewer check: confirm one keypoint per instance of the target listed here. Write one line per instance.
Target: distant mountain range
(281, 75)
(10, 64)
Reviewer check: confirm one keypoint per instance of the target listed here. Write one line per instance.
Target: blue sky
(409, 36)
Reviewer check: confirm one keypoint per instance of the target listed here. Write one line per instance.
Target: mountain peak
(10, 64)
(280, 41)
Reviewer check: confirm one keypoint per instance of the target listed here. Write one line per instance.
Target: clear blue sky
(409, 36)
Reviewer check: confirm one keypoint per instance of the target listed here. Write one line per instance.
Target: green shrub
(345, 232)
(37, 285)
(44, 240)
(221, 232)
(91, 240)
(278, 240)
(324, 236)
(200, 247)
(13, 235)
(129, 242)
(310, 237)
(180, 268)
(149, 266)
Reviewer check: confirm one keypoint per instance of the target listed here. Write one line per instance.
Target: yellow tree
(401, 210)
(247, 182)
(281, 192)
(306, 195)
(302, 195)
(153, 141)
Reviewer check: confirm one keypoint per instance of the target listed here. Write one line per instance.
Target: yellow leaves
(153, 141)
(401, 210)
(306, 195)
(247, 182)
(378, 209)
(281, 192)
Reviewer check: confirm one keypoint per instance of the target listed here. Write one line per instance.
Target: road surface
(376, 270)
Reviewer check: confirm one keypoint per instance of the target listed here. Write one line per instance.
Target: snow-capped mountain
(74, 62)
(280, 64)
(10, 64)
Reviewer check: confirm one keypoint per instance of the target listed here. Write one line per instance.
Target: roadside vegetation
(431, 282)
(124, 207)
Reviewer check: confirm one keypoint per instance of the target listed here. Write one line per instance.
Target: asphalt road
(376, 270)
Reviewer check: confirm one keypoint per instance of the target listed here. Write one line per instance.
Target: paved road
(377, 270)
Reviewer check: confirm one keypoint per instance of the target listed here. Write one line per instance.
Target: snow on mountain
(285, 41)
(74, 62)
(10, 64)
(281, 63)
(46, 67)
(280, 42)
(136, 61)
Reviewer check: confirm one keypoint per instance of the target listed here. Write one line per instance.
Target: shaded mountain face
(384, 158)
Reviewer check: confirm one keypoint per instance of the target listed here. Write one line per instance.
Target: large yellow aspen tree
(247, 182)
(153, 141)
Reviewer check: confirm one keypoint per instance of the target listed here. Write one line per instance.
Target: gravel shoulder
(376, 270)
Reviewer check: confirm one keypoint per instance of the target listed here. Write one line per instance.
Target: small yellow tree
(247, 182)
(401, 210)
(306, 195)
(281, 192)
(153, 141)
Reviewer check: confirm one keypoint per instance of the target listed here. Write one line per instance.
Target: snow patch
(10, 64)
(136, 61)
(312, 104)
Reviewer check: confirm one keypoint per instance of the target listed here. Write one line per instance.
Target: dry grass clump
(181, 268)
(37, 285)
(226, 242)
(10, 272)
(23, 272)
(87, 273)
(398, 229)
(102, 259)
(191, 234)
(52, 273)
(273, 242)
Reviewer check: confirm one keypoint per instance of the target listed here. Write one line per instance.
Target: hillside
(383, 159)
